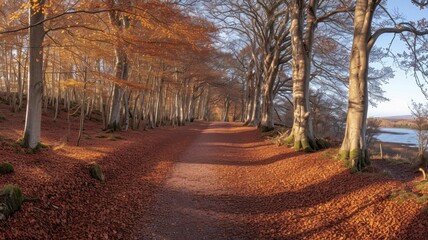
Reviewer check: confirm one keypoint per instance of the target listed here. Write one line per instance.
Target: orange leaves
(158, 29)
(72, 83)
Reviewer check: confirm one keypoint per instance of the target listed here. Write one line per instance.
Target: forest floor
(201, 181)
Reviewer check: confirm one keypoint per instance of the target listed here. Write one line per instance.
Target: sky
(401, 89)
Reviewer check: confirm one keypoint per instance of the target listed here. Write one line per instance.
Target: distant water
(398, 135)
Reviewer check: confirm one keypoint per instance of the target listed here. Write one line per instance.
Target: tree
(263, 28)
(420, 115)
(33, 116)
(275, 45)
(302, 40)
(171, 46)
(304, 21)
(354, 145)
(120, 22)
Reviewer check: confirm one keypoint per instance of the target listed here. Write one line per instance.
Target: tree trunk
(126, 110)
(226, 109)
(354, 146)
(250, 94)
(121, 22)
(302, 134)
(121, 70)
(255, 118)
(33, 116)
(82, 108)
(271, 72)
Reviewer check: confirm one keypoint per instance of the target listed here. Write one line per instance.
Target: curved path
(231, 184)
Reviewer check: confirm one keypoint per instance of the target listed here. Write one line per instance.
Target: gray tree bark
(302, 40)
(33, 117)
(354, 146)
(121, 22)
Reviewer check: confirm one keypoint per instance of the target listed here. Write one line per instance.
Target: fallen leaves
(240, 187)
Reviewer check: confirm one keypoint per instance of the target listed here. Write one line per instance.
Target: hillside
(397, 122)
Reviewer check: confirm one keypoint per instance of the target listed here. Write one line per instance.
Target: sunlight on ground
(38, 174)
(86, 154)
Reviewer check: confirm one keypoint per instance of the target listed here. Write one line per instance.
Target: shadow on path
(197, 203)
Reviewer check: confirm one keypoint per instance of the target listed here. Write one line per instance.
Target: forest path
(191, 204)
(230, 183)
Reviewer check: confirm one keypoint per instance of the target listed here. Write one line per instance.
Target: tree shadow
(418, 227)
(340, 185)
(211, 159)
(239, 211)
(336, 221)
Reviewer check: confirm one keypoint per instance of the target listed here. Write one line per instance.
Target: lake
(398, 135)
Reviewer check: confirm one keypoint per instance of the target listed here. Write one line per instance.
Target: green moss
(355, 154)
(100, 136)
(359, 161)
(6, 168)
(423, 198)
(329, 154)
(344, 155)
(289, 140)
(10, 200)
(403, 195)
(422, 186)
(21, 143)
(348, 164)
(297, 145)
(306, 146)
(96, 172)
(39, 147)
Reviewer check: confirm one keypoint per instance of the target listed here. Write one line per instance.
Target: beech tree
(33, 117)
(354, 145)
(303, 25)
(171, 50)
(275, 45)
(263, 28)
(302, 39)
(120, 22)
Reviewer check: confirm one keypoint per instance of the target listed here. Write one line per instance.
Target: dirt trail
(178, 214)
(231, 184)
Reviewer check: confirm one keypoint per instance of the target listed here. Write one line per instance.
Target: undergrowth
(418, 192)
(21, 146)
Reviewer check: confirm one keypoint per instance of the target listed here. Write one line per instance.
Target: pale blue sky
(401, 89)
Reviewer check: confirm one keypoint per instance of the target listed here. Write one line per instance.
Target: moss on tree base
(355, 160)
(289, 140)
(23, 144)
